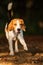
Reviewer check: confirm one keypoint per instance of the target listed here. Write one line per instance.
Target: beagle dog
(14, 31)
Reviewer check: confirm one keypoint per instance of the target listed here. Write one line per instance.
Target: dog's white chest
(12, 35)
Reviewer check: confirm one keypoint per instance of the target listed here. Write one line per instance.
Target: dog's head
(17, 25)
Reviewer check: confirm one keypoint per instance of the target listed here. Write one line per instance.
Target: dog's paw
(16, 50)
(25, 48)
(11, 53)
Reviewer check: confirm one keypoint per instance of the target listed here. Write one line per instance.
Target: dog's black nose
(18, 29)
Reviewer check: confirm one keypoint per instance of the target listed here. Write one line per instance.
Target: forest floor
(34, 55)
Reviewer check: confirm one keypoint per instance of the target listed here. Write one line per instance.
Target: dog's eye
(15, 24)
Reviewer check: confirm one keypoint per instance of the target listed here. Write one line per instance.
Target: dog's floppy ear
(23, 26)
(10, 26)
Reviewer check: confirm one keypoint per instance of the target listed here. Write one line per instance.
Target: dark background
(30, 10)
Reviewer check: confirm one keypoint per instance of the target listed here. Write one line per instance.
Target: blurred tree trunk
(21, 7)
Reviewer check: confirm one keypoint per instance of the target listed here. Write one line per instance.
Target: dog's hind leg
(16, 46)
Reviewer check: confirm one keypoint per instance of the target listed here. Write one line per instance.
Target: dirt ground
(34, 55)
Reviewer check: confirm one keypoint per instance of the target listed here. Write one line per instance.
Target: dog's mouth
(18, 32)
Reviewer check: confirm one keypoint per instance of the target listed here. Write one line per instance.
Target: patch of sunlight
(6, 63)
(3, 54)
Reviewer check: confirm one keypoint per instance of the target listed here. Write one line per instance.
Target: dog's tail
(6, 30)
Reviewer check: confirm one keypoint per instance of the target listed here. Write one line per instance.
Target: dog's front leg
(16, 46)
(22, 41)
(11, 47)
